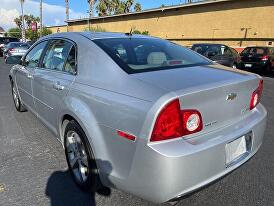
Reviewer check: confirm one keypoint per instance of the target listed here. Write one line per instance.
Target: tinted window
(33, 57)
(209, 50)
(7, 40)
(18, 45)
(145, 54)
(70, 65)
(56, 55)
(255, 50)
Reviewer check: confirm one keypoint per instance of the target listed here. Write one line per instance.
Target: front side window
(33, 57)
(57, 54)
(136, 55)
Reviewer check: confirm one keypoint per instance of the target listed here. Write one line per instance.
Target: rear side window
(135, 55)
(33, 57)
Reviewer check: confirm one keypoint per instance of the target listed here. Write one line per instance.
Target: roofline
(152, 10)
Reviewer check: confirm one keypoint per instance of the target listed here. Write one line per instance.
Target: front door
(51, 82)
(24, 75)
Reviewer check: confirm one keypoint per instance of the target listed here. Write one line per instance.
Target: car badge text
(231, 96)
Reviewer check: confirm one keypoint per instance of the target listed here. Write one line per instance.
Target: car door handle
(57, 86)
(29, 76)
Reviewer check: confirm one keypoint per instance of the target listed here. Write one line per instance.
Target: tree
(138, 7)
(112, 7)
(28, 19)
(15, 32)
(67, 12)
(127, 5)
(91, 7)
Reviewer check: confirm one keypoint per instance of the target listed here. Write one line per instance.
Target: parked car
(15, 49)
(219, 53)
(139, 113)
(4, 41)
(258, 58)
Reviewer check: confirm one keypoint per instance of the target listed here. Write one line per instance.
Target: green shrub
(95, 29)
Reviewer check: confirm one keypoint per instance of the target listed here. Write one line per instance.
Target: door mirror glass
(14, 60)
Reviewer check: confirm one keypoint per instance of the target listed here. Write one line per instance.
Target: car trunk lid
(222, 95)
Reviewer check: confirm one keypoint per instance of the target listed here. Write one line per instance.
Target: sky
(54, 10)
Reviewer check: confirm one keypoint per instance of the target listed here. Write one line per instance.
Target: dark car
(219, 53)
(15, 49)
(4, 41)
(259, 58)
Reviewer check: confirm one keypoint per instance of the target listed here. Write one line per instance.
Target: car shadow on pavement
(62, 191)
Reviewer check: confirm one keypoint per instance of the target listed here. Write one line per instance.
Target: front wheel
(79, 157)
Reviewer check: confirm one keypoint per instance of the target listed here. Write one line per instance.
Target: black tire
(268, 69)
(92, 181)
(16, 100)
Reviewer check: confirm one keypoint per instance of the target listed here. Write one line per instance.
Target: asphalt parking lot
(33, 170)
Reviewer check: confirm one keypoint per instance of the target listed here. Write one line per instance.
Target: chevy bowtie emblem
(231, 96)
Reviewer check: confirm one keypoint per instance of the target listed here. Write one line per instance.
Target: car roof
(264, 47)
(96, 35)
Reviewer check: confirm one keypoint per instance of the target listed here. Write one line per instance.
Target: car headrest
(156, 58)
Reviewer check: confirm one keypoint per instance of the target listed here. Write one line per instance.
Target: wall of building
(55, 29)
(237, 23)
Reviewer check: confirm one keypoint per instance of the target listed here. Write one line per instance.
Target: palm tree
(128, 5)
(23, 21)
(41, 18)
(91, 7)
(138, 7)
(67, 12)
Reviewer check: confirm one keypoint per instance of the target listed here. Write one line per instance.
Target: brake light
(12, 49)
(173, 123)
(265, 58)
(256, 96)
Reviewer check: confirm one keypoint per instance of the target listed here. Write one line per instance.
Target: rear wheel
(80, 158)
(17, 102)
(268, 69)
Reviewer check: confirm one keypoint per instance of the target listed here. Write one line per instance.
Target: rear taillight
(265, 58)
(256, 96)
(11, 50)
(173, 123)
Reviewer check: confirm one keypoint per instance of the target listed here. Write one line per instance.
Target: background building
(238, 23)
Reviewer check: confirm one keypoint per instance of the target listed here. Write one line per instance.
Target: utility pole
(41, 18)
(23, 22)
(67, 12)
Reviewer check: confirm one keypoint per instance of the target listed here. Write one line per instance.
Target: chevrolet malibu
(139, 113)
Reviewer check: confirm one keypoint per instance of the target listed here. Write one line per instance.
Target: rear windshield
(206, 49)
(18, 45)
(255, 50)
(135, 55)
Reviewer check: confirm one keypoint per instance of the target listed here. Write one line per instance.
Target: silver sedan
(138, 113)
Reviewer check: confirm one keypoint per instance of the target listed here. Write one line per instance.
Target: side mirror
(14, 60)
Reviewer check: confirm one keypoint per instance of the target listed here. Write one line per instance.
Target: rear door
(52, 80)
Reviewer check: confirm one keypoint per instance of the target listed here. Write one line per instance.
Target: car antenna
(130, 33)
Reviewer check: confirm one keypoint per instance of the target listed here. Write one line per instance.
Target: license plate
(248, 65)
(235, 149)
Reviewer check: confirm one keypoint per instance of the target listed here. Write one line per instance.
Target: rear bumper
(257, 66)
(164, 171)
